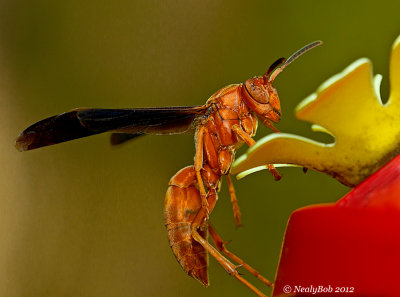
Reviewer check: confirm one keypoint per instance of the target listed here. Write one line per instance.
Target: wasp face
(263, 99)
(275, 104)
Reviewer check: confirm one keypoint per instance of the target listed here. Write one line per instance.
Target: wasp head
(261, 96)
(263, 99)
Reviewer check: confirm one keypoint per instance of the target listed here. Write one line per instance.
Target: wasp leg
(250, 142)
(234, 201)
(225, 263)
(243, 135)
(221, 246)
(198, 164)
(274, 172)
(269, 124)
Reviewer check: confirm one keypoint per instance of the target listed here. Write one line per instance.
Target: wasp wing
(84, 122)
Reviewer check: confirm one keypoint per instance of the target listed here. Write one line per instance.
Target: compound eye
(257, 92)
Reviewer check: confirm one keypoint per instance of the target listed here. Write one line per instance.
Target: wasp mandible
(226, 121)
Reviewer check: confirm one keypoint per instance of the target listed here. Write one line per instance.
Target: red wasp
(226, 121)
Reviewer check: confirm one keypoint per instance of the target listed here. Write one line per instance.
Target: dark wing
(84, 122)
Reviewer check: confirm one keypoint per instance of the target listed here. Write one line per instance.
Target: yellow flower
(347, 106)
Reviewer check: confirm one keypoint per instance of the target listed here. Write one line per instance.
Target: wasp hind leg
(221, 245)
(225, 263)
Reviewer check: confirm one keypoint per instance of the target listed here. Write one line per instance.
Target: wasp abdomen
(182, 203)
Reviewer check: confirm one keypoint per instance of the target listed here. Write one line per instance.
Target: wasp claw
(274, 172)
(238, 266)
(227, 242)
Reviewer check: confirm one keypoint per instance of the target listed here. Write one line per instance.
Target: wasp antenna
(293, 57)
(273, 67)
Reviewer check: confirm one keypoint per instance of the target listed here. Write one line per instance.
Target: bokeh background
(84, 219)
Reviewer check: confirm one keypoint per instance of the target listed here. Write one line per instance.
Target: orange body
(183, 200)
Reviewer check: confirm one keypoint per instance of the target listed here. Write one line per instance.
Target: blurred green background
(85, 219)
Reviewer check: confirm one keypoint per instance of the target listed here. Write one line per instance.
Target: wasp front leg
(243, 135)
(274, 172)
(250, 142)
